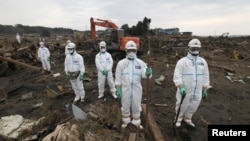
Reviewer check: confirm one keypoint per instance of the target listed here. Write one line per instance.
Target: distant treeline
(42, 31)
(141, 28)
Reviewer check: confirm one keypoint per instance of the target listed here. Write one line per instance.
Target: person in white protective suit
(44, 56)
(191, 77)
(128, 75)
(104, 65)
(74, 69)
(66, 49)
(18, 38)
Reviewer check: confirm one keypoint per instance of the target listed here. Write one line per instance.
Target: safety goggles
(131, 50)
(194, 48)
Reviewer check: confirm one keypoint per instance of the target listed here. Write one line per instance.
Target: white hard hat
(41, 44)
(102, 44)
(68, 41)
(130, 45)
(194, 43)
(71, 45)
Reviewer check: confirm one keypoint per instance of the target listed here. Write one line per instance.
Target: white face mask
(195, 53)
(103, 50)
(131, 55)
(71, 51)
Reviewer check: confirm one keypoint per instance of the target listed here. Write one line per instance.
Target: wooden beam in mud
(153, 128)
(20, 63)
(223, 68)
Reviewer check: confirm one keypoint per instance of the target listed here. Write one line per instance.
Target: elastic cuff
(181, 85)
(136, 122)
(126, 119)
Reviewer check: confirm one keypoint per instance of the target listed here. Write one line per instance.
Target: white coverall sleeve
(110, 65)
(97, 63)
(81, 63)
(144, 67)
(206, 80)
(65, 65)
(118, 74)
(178, 74)
(48, 52)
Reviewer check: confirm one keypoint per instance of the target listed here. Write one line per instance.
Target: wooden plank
(223, 67)
(22, 48)
(20, 63)
(153, 128)
(132, 137)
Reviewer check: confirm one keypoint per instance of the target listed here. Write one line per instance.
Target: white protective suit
(128, 75)
(74, 63)
(18, 38)
(191, 72)
(103, 60)
(44, 55)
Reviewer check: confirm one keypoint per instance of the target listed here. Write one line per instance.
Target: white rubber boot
(126, 121)
(77, 98)
(137, 123)
(189, 122)
(114, 95)
(100, 96)
(178, 122)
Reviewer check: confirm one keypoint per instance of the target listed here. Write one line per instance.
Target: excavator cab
(113, 36)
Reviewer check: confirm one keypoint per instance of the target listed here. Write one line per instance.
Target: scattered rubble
(28, 92)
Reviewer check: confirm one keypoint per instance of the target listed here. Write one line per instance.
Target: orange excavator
(113, 36)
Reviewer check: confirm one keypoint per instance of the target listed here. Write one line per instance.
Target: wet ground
(227, 102)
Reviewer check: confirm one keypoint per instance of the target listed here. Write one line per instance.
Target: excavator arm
(114, 36)
(102, 23)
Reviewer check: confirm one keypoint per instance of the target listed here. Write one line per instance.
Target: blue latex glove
(182, 91)
(118, 93)
(105, 72)
(149, 71)
(81, 77)
(204, 93)
(48, 58)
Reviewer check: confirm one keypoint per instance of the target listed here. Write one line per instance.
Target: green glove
(182, 91)
(81, 77)
(149, 71)
(39, 59)
(67, 76)
(105, 72)
(118, 92)
(204, 93)
(48, 58)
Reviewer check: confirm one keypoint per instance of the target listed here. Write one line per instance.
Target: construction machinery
(113, 36)
(224, 34)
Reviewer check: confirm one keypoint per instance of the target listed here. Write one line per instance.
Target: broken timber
(20, 63)
(153, 128)
(223, 67)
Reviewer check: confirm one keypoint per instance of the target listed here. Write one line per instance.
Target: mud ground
(227, 102)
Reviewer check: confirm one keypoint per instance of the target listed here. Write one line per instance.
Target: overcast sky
(202, 17)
